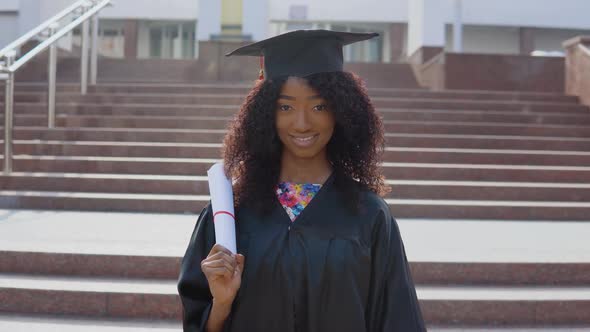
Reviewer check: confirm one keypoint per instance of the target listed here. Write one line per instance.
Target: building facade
(173, 28)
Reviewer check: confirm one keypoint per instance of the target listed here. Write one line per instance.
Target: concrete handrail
(584, 49)
(578, 68)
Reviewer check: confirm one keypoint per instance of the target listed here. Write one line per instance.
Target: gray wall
(8, 28)
(8, 21)
(29, 15)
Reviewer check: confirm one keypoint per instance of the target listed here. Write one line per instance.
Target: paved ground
(508, 329)
(15, 323)
(38, 324)
(168, 235)
(95, 233)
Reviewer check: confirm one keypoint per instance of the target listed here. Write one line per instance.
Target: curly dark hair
(252, 148)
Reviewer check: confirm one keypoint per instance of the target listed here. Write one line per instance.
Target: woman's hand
(224, 274)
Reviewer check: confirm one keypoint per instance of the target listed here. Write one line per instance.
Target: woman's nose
(301, 121)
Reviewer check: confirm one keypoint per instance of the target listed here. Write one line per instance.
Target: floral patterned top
(294, 197)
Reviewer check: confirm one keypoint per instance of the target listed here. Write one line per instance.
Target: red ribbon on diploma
(224, 212)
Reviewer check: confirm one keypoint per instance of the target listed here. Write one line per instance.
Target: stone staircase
(449, 154)
(460, 155)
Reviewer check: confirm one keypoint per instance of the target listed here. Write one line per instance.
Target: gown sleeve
(393, 304)
(192, 283)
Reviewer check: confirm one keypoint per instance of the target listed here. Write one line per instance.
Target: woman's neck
(305, 170)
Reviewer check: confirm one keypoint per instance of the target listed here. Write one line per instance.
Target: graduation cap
(302, 52)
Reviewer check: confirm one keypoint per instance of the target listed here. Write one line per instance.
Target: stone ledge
(576, 40)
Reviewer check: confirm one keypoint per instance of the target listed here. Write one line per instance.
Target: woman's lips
(304, 141)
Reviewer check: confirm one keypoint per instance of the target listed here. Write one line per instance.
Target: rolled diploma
(222, 202)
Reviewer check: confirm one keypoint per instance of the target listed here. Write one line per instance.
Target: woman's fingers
(221, 261)
(221, 255)
(218, 263)
(219, 248)
(214, 272)
(240, 260)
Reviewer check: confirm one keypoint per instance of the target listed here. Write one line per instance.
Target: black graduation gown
(330, 270)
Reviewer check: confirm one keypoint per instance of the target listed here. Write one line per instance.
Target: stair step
(397, 171)
(434, 127)
(198, 185)
(91, 297)
(484, 116)
(119, 134)
(156, 203)
(237, 99)
(144, 299)
(494, 293)
(166, 235)
(504, 306)
(88, 284)
(378, 102)
(124, 165)
(403, 208)
(423, 273)
(45, 323)
(416, 127)
(140, 109)
(486, 142)
(86, 108)
(549, 328)
(99, 233)
(216, 136)
(109, 266)
(244, 89)
(224, 115)
(212, 150)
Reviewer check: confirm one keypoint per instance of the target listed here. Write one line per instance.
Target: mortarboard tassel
(261, 72)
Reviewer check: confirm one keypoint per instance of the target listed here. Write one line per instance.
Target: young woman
(318, 247)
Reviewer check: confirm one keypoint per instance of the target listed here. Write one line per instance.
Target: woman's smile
(304, 141)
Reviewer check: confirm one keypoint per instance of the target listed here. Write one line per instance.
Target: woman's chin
(310, 152)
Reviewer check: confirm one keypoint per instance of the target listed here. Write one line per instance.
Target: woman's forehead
(297, 87)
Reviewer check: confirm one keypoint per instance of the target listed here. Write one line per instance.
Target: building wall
(344, 10)
(49, 8)
(569, 14)
(505, 40)
(552, 39)
(565, 14)
(490, 26)
(143, 40)
(486, 39)
(8, 27)
(231, 12)
(153, 10)
(9, 5)
(538, 13)
(28, 15)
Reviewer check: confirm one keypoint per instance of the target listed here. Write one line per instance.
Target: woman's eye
(284, 107)
(320, 107)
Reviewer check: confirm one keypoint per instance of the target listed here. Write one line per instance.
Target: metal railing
(83, 11)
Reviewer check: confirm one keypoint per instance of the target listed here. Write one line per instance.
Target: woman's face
(304, 121)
